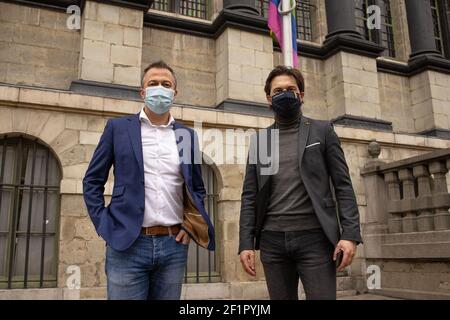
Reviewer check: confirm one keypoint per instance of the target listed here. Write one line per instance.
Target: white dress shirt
(162, 174)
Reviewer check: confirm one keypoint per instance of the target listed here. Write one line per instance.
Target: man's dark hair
(158, 65)
(283, 70)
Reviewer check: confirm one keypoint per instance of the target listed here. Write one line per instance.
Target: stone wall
(111, 47)
(193, 59)
(36, 47)
(315, 104)
(430, 98)
(417, 279)
(243, 62)
(395, 101)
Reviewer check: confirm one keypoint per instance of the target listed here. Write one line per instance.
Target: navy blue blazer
(120, 223)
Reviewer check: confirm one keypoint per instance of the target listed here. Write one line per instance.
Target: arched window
(202, 265)
(303, 12)
(30, 178)
(190, 8)
(383, 36)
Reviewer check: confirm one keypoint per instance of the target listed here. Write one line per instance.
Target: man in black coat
(288, 210)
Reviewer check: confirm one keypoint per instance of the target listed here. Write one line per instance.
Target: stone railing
(406, 231)
(409, 195)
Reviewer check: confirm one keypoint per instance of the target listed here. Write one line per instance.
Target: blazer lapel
(134, 132)
(303, 133)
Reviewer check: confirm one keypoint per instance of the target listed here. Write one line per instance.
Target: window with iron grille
(441, 25)
(202, 264)
(385, 35)
(303, 12)
(29, 214)
(190, 8)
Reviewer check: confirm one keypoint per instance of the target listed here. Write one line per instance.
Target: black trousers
(288, 256)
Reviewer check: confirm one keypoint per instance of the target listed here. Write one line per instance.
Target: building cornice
(60, 5)
(143, 5)
(333, 44)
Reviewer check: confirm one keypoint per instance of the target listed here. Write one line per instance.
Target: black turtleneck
(280, 122)
(289, 208)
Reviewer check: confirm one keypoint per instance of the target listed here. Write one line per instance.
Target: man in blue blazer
(157, 200)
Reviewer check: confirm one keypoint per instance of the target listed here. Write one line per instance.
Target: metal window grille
(29, 206)
(436, 12)
(190, 8)
(384, 36)
(202, 265)
(303, 11)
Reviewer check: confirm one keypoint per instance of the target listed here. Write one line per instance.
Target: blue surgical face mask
(159, 99)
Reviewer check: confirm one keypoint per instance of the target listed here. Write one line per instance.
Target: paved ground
(367, 297)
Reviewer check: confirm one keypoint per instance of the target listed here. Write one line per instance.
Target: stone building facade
(388, 88)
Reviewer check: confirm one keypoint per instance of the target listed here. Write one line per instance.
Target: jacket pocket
(329, 202)
(118, 191)
(316, 144)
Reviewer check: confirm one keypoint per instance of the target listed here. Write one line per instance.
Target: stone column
(111, 44)
(441, 214)
(352, 91)
(341, 18)
(243, 61)
(409, 221)
(421, 31)
(394, 219)
(428, 88)
(376, 220)
(246, 6)
(424, 217)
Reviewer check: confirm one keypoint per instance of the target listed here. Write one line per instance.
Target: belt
(161, 230)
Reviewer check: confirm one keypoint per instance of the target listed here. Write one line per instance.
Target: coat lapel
(303, 133)
(134, 132)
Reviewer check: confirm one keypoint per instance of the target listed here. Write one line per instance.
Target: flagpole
(287, 32)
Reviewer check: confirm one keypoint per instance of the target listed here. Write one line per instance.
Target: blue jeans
(152, 268)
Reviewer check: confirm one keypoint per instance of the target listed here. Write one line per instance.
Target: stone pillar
(428, 88)
(409, 221)
(430, 100)
(376, 221)
(421, 32)
(111, 44)
(394, 219)
(341, 18)
(424, 217)
(352, 91)
(246, 6)
(441, 214)
(243, 61)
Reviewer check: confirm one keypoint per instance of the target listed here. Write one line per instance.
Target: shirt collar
(143, 117)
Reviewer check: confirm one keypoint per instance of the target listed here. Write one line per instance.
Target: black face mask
(286, 105)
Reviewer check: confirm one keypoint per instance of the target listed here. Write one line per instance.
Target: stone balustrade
(417, 194)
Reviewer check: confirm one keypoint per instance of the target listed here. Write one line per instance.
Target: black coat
(322, 167)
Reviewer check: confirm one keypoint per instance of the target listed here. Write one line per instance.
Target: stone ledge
(416, 245)
(411, 294)
(40, 294)
(68, 101)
